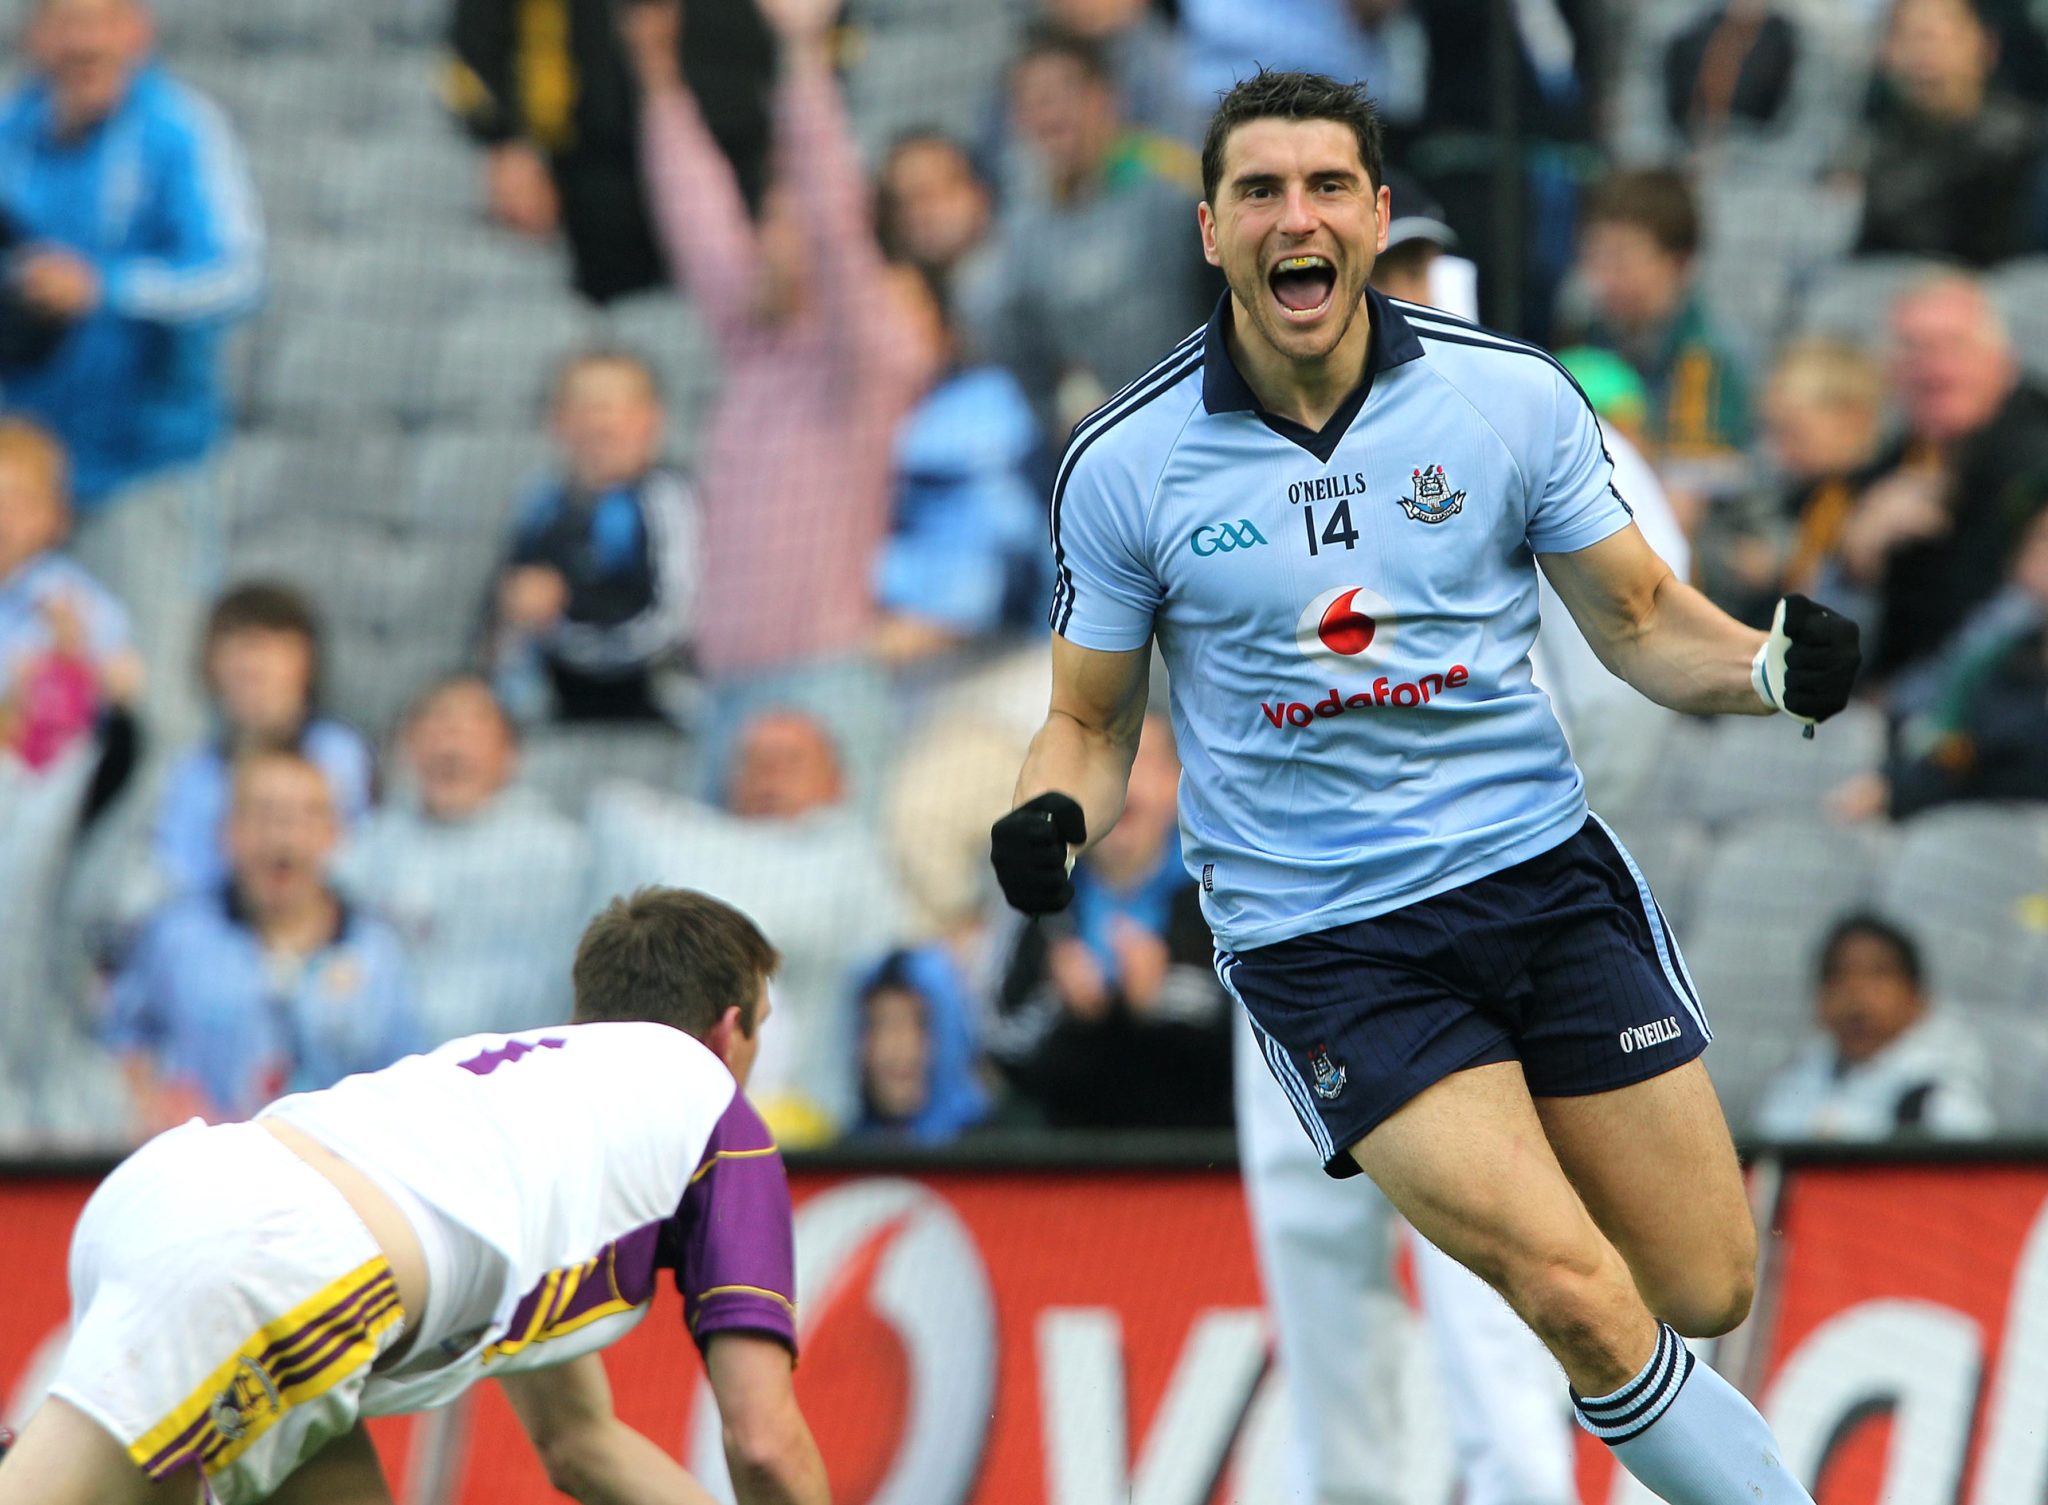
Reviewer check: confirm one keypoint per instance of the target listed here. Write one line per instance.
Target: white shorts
(227, 1304)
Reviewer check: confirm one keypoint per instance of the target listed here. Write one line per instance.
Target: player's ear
(1384, 204)
(723, 1035)
(1206, 218)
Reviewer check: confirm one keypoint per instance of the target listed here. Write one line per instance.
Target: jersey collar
(1224, 390)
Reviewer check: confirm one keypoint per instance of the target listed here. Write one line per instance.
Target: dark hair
(1655, 199)
(671, 956)
(1869, 925)
(604, 355)
(1043, 39)
(1270, 95)
(888, 210)
(264, 606)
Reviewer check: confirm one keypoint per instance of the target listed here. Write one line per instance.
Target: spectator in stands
(1148, 57)
(139, 236)
(268, 983)
(1932, 538)
(1886, 1066)
(1097, 271)
(1382, 41)
(563, 156)
(818, 371)
(1640, 238)
(1111, 1015)
(1415, 264)
(917, 1065)
(787, 848)
(1953, 161)
(488, 885)
(1975, 718)
(966, 562)
(933, 208)
(261, 665)
(595, 604)
(1733, 69)
(66, 659)
(1823, 416)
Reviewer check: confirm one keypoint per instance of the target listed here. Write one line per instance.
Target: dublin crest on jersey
(1433, 500)
(1330, 1075)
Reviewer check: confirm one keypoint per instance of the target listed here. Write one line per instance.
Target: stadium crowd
(408, 541)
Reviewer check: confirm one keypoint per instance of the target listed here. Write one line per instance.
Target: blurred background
(463, 459)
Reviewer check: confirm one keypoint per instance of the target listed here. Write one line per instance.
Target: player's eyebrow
(1246, 182)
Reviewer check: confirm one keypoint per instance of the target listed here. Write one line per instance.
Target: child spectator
(1823, 420)
(966, 559)
(932, 206)
(266, 983)
(260, 661)
(1639, 243)
(1885, 1066)
(595, 606)
(917, 1062)
(65, 655)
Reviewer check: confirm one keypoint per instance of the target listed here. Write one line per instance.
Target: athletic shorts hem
(1630, 1077)
(1341, 1166)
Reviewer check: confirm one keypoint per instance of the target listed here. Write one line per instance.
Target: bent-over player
(500, 1208)
(1457, 974)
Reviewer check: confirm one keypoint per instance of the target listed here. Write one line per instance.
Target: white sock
(1689, 1435)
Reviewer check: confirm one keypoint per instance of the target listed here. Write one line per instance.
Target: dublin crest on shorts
(1433, 500)
(1329, 1074)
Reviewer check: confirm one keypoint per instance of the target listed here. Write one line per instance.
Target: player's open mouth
(1302, 286)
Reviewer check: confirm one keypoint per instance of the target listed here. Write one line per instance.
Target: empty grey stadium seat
(2021, 291)
(295, 177)
(567, 763)
(416, 181)
(1852, 300)
(2016, 1040)
(274, 479)
(1970, 881)
(958, 66)
(330, 369)
(498, 360)
(1767, 895)
(474, 482)
(1754, 764)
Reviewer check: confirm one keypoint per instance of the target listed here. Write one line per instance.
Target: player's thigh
(64, 1457)
(345, 1472)
(1655, 1167)
(1467, 1163)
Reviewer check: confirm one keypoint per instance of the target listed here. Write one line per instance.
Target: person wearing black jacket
(545, 87)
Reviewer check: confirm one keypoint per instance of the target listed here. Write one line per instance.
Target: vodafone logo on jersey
(1353, 629)
(1348, 627)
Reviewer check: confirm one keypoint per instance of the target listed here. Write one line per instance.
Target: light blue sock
(1689, 1435)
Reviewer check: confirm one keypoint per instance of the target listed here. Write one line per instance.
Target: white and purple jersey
(582, 1160)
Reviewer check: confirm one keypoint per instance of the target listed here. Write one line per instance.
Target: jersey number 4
(1338, 530)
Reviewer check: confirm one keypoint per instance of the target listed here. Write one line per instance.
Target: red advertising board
(1082, 1338)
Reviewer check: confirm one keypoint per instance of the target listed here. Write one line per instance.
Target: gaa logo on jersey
(1349, 627)
(1433, 500)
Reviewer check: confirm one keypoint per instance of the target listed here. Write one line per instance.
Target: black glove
(1821, 658)
(1029, 849)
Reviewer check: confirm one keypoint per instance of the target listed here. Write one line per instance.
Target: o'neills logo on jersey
(1384, 692)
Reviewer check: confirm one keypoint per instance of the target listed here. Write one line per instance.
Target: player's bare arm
(768, 1446)
(1679, 649)
(591, 1455)
(1071, 789)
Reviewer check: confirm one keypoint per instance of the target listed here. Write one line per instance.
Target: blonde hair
(1829, 373)
(36, 450)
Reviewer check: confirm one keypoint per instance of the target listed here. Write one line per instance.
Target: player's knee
(1576, 1305)
(1714, 1305)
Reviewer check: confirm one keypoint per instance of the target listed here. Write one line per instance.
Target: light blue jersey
(1346, 614)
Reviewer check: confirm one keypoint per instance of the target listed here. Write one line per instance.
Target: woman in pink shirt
(819, 368)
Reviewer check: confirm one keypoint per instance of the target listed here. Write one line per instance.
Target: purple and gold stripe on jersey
(286, 1362)
(736, 1254)
(618, 1278)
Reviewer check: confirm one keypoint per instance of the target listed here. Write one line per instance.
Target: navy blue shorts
(1563, 962)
